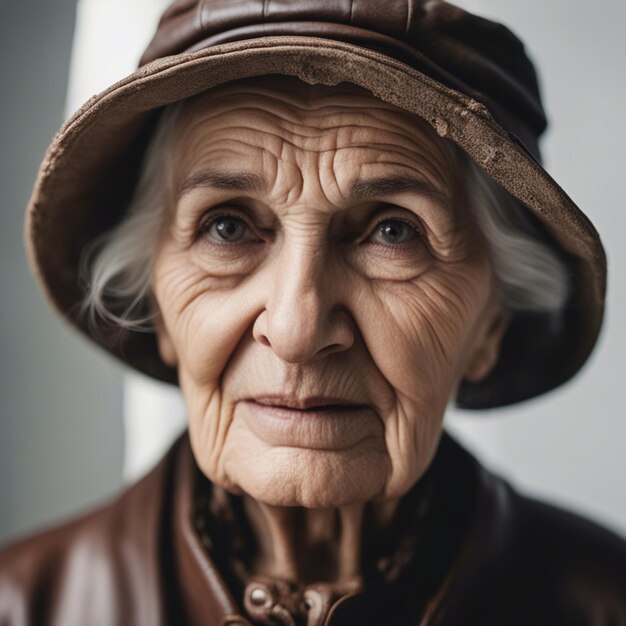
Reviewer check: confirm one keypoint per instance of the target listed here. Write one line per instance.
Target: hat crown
(478, 57)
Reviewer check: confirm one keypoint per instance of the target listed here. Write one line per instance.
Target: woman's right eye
(226, 229)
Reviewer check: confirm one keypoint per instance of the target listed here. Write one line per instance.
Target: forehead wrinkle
(325, 183)
(288, 97)
(295, 96)
(437, 173)
(289, 181)
(283, 116)
(324, 118)
(308, 125)
(376, 163)
(369, 118)
(288, 137)
(272, 140)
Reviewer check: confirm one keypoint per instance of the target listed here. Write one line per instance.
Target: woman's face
(321, 289)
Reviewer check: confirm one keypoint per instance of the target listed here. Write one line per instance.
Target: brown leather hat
(467, 76)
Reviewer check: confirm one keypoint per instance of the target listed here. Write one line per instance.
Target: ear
(167, 351)
(486, 348)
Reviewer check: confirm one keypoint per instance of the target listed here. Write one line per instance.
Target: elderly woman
(325, 221)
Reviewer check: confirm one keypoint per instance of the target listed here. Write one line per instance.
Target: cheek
(206, 321)
(416, 334)
(204, 317)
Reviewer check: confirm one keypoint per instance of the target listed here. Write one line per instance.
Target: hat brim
(89, 173)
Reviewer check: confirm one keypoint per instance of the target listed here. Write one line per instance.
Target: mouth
(309, 403)
(318, 423)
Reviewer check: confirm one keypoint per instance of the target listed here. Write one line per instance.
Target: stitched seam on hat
(351, 12)
(264, 11)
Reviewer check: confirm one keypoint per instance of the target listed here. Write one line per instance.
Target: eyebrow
(233, 180)
(369, 188)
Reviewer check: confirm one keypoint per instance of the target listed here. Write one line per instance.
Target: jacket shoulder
(84, 568)
(530, 562)
(575, 565)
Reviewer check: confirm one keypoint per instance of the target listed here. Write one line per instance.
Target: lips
(308, 403)
(313, 422)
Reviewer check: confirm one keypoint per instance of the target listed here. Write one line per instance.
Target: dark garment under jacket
(463, 549)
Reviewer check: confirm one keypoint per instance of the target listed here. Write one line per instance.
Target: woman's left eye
(226, 229)
(395, 231)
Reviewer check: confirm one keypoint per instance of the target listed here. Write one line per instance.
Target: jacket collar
(420, 550)
(204, 593)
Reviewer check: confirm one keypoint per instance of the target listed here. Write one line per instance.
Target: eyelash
(208, 221)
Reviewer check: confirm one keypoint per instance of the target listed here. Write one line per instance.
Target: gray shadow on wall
(61, 430)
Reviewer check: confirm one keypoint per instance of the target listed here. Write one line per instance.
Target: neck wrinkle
(413, 554)
(293, 543)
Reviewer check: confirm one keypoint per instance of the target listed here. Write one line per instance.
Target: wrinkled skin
(304, 290)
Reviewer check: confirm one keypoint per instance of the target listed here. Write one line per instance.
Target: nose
(303, 319)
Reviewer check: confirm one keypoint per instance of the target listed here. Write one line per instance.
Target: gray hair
(117, 267)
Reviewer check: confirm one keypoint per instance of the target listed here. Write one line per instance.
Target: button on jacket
(479, 553)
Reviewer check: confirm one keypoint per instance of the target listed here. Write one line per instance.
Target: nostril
(265, 341)
(330, 349)
(299, 338)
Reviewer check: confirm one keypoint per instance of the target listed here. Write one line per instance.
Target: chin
(316, 479)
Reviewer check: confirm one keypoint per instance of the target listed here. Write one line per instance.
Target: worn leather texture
(484, 555)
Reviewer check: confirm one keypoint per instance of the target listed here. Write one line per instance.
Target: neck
(309, 545)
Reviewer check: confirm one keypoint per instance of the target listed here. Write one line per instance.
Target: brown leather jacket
(464, 549)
